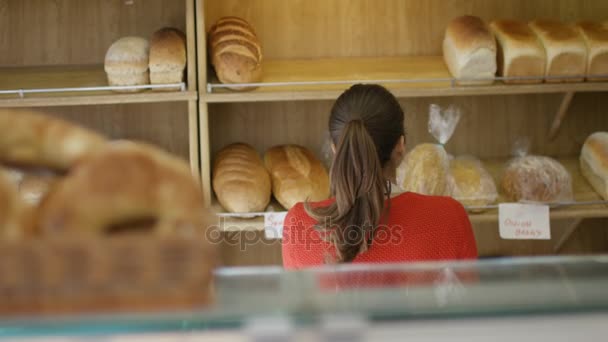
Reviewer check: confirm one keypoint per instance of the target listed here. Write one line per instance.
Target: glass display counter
(356, 301)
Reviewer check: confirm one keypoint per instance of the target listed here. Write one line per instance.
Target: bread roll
(537, 179)
(121, 186)
(469, 51)
(126, 63)
(425, 170)
(167, 57)
(565, 49)
(240, 180)
(35, 186)
(31, 138)
(297, 175)
(520, 53)
(470, 183)
(236, 53)
(594, 162)
(596, 39)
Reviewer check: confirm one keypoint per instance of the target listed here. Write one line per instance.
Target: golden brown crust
(297, 175)
(235, 52)
(120, 184)
(596, 38)
(425, 170)
(553, 30)
(537, 178)
(240, 180)
(31, 138)
(167, 50)
(469, 32)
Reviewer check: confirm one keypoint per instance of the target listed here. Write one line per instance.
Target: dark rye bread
(235, 52)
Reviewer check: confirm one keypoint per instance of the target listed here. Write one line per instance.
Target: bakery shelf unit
(315, 49)
(53, 59)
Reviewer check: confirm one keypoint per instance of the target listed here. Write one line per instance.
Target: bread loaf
(297, 175)
(30, 138)
(520, 53)
(596, 39)
(240, 180)
(125, 185)
(167, 57)
(126, 62)
(469, 51)
(537, 179)
(236, 53)
(565, 49)
(470, 183)
(594, 162)
(425, 170)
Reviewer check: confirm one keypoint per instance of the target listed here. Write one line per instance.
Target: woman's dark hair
(365, 125)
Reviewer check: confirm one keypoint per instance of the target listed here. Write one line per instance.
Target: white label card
(524, 221)
(273, 225)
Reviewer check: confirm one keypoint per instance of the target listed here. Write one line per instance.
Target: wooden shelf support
(561, 114)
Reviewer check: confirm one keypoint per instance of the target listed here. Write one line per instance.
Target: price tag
(273, 225)
(524, 221)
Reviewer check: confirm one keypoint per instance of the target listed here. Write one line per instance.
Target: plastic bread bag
(470, 183)
(533, 178)
(425, 169)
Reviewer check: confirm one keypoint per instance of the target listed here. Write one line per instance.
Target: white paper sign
(273, 225)
(524, 221)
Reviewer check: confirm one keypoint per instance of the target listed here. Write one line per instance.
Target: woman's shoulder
(425, 204)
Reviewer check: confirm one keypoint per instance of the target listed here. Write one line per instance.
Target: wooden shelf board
(583, 192)
(45, 77)
(370, 69)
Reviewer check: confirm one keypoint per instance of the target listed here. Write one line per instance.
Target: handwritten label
(524, 221)
(273, 225)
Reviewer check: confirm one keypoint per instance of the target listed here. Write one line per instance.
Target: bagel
(124, 184)
(32, 139)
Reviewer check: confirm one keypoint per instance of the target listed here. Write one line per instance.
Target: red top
(420, 228)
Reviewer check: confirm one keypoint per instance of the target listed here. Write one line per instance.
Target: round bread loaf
(125, 185)
(297, 175)
(425, 170)
(240, 181)
(470, 183)
(537, 179)
(31, 138)
(126, 62)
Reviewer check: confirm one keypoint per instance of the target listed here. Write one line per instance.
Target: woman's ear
(398, 151)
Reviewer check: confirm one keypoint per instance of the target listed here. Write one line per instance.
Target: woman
(361, 223)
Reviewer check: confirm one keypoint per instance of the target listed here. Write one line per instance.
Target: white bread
(565, 49)
(594, 162)
(235, 52)
(470, 183)
(520, 53)
(297, 175)
(596, 39)
(537, 179)
(167, 56)
(425, 170)
(240, 180)
(126, 62)
(469, 50)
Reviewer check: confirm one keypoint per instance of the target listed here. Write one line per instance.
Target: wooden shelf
(431, 69)
(72, 77)
(583, 192)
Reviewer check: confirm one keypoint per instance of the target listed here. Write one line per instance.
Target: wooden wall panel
(325, 28)
(131, 121)
(42, 32)
(489, 125)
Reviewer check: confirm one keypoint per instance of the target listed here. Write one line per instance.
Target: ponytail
(359, 188)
